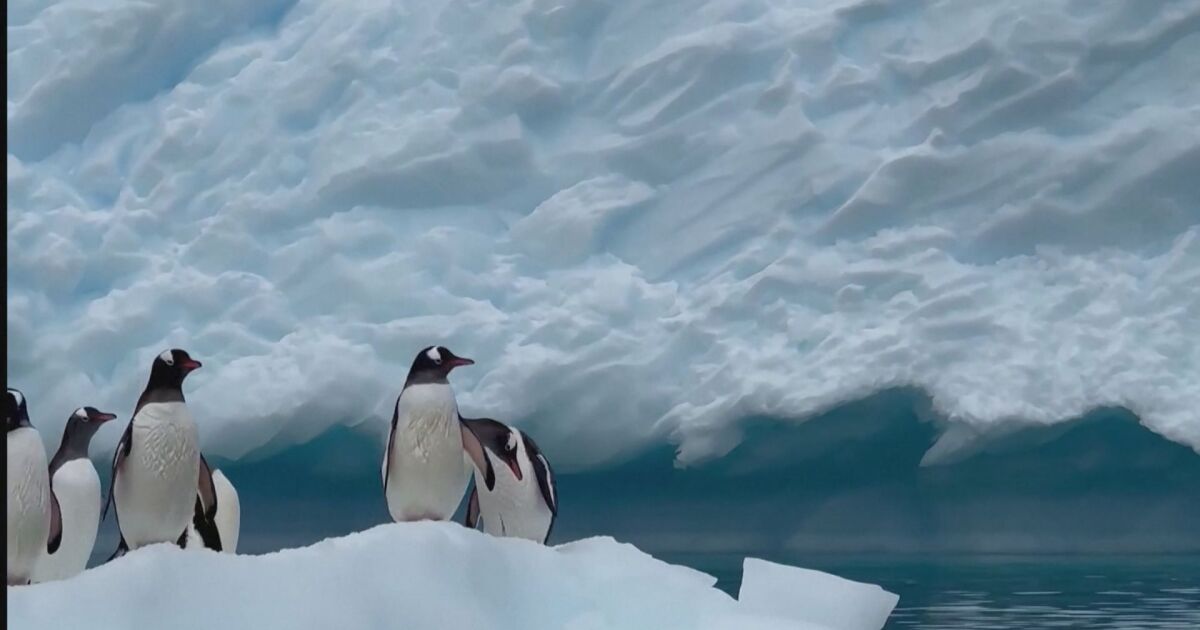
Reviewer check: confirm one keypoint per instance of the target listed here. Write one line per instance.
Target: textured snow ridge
(647, 221)
(439, 575)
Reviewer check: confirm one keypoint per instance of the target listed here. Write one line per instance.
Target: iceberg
(650, 223)
(904, 249)
(443, 576)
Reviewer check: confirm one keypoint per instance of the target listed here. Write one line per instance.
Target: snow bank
(436, 575)
(647, 221)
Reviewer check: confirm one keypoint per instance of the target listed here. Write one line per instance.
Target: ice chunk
(421, 575)
(813, 597)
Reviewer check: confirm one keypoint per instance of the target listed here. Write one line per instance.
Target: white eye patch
(512, 441)
(17, 395)
(167, 357)
(434, 355)
(80, 413)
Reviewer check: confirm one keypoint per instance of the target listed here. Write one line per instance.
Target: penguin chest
(427, 468)
(514, 507)
(77, 488)
(165, 441)
(28, 516)
(156, 486)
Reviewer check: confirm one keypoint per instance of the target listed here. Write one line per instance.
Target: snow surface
(647, 222)
(436, 575)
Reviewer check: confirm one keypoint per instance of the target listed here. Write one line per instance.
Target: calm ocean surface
(968, 592)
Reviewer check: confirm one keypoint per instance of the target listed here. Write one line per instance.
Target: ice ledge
(439, 575)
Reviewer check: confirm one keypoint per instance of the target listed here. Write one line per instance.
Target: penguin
(157, 467)
(424, 471)
(76, 487)
(224, 526)
(34, 524)
(515, 492)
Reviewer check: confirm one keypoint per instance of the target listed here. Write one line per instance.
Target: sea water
(1003, 592)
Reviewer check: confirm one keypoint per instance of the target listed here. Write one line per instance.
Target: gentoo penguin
(157, 466)
(514, 492)
(32, 518)
(224, 526)
(424, 471)
(76, 488)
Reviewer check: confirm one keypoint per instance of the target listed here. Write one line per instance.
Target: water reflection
(1014, 592)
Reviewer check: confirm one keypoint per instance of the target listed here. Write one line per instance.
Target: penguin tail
(56, 528)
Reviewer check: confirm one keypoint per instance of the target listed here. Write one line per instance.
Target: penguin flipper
(55, 538)
(472, 517)
(545, 476)
(207, 494)
(545, 479)
(387, 448)
(206, 527)
(119, 456)
(122, 548)
(474, 449)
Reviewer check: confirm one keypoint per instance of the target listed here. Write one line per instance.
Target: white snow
(647, 222)
(436, 575)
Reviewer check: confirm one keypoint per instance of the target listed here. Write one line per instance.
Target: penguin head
(433, 365)
(16, 414)
(171, 367)
(501, 441)
(85, 422)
